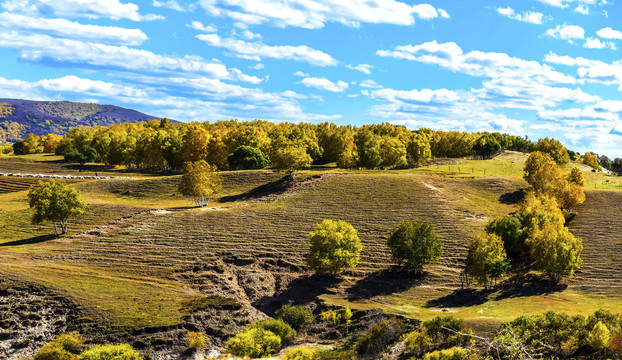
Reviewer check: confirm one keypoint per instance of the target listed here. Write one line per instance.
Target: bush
(296, 316)
(110, 352)
(454, 353)
(195, 340)
(301, 353)
(417, 342)
(435, 328)
(246, 157)
(414, 244)
(254, 342)
(337, 317)
(277, 326)
(63, 347)
(376, 339)
(335, 246)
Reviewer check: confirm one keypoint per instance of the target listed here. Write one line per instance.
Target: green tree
(511, 229)
(555, 250)
(392, 152)
(335, 246)
(54, 201)
(246, 157)
(87, 154)
(414, 244)
(486, 259)
(368, 147)
(418, 149)
(200, 180)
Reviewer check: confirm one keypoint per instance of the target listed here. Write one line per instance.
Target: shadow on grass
(302, 290)
(523, 285)
(511, 198)
(32, 240)
(460, 298)
(384, 282)
(272, 188)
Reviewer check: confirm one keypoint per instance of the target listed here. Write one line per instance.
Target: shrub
(277, 326)
(454, 353)
(414, 244)
(296, 316)
(195, 340)
(110, 352)
(417, 342)
(63, 347)
(301, 353)
(599, 336)
(254, 342)
(435, 328)
(337, 317)
(335, 246)
(246, 157)
(376, 339)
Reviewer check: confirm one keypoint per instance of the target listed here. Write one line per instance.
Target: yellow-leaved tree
(200, 180)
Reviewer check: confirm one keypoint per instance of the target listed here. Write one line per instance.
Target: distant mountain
(18, 117)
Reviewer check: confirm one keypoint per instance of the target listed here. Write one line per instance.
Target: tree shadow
(32, 240)
(384, 282)
(524, 285)
(302, 290)
(460, 298)
(512, 198)
(272, 188)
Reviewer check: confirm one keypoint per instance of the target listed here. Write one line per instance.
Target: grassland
(142, 251)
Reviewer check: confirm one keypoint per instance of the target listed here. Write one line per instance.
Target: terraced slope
(598, 224)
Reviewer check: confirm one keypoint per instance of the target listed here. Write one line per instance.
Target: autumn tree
(591, 160)
(55, 201)
(200, 180)
(335, 246)
(392, 152)
(414, 244)
(418, 149)
(195, 142)
(50, 142)
(486, 259)
(368, 148)
(291, 159)
(576, 176)
(554, 149)
(599, 337)
(555, 250)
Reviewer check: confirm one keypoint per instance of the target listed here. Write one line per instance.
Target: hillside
(18, 117)
(143, 265)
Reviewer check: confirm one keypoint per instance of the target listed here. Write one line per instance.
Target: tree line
(162, 144)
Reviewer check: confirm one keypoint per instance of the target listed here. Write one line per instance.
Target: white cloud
(255, 51)
(556, 3)
(595, 43)
(65, 51)
(566, 32)
(301, 74)
(257, 66)
(71, 29)
(324, 84)
(249, 35)
(169, 4)
(364, 68)
(592, 71)
(370, 84)
(197, 25)
(531, 17)
(477, 63)
(609, 33)
(91, 9)
(314, 14)
(443, 13)
(582, 9)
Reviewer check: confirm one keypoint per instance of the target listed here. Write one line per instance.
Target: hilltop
(21, 117)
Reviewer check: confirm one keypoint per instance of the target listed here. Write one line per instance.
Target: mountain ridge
(19, 117)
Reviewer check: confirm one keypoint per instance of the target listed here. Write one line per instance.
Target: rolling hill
(18, 117)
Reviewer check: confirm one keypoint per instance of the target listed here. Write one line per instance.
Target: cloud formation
(531, 17)
(91, 9)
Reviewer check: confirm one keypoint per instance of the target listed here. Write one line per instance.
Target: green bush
(246, 157)
(63, 347)
(454, 353)
(296, 316)
(337, 317)
(435, 328)
(301, 353)
(254, 342)
(277, 326)
(376, 339)
(110, 352)
(417, 342)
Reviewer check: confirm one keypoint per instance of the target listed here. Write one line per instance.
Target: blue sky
(527, 67)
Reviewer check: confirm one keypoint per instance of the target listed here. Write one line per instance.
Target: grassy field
(142, 250)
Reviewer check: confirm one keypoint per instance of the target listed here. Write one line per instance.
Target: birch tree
(200, 180)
